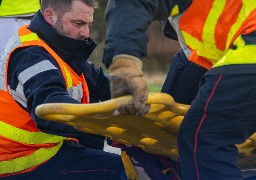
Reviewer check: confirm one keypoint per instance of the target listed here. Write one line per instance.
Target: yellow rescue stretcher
(156, 132)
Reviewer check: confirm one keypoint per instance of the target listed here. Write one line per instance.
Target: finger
(116, 113)
(127, 109)
(130, 109)
(144, 111)
(123, 110)
(139, 100)
(139, 91)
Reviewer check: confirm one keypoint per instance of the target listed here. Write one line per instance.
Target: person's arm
(34, 79)
(126, 44)
(127, 22)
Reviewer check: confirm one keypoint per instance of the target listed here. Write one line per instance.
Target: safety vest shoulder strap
(29, 38)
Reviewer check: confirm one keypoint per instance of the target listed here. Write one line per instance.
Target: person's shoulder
(31, 51)
(28, 56)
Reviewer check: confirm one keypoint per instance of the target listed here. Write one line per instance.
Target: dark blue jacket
(127, 21)
(49, 86)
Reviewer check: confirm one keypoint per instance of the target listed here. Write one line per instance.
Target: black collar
(67, 48)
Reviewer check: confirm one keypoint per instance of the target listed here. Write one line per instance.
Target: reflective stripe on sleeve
(42, 66)
(18, 95)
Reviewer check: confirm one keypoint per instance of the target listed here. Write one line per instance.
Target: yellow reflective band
(239, 42)
(23, 163)
(18, 7)
(208, 37)
(248, 7)
(29, 37)
(246, 54)
(27, 137)
(69, 78)
(200, 47)
(207, 48)
(175, 11)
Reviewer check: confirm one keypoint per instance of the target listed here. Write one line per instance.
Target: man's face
(76, 23)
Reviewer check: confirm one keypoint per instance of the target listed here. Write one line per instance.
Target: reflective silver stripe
(28, 73)
(24, 76)
(2, 71)
(12, 43)
(76, 92)
(175, 23)
(19, 96)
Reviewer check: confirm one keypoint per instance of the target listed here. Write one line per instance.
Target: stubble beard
(59, 28)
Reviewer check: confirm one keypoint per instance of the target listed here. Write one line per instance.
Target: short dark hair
(63, 6)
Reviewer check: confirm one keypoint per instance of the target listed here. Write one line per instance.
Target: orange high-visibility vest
(22, 145)
(210, 28)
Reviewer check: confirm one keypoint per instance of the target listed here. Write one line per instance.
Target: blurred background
(160, 49)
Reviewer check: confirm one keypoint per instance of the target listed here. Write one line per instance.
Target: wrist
(125, 63)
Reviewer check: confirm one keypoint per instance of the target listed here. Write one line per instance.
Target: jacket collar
(67, 48)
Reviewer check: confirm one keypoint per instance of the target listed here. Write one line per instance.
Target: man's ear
(50, 16)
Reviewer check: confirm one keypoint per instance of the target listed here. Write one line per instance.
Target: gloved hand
(126, 77)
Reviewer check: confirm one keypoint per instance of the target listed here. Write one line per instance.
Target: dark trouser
(92, 141)
(222, 115)
(73, 161)
(182, 81)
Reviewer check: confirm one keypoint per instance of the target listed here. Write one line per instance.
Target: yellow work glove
(126, 78)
